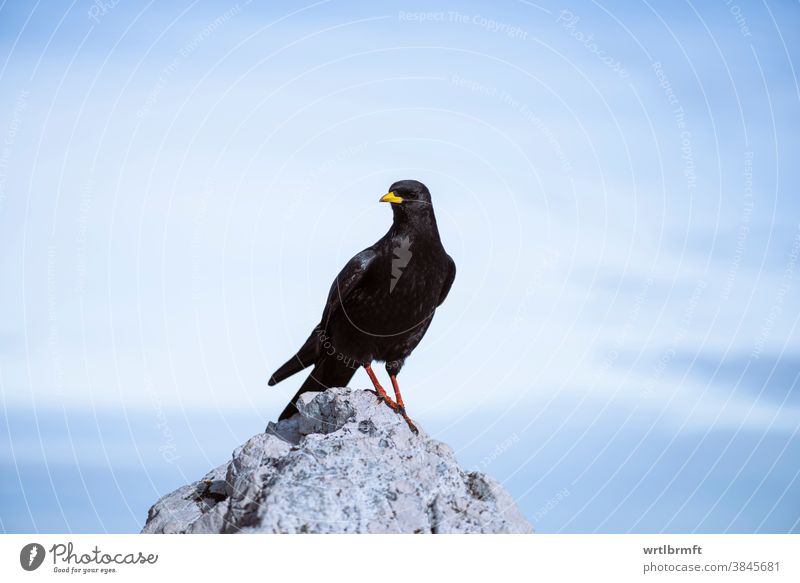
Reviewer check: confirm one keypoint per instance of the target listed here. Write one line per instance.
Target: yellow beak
(391, 197)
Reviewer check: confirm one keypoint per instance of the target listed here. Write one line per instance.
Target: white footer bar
(382, 558)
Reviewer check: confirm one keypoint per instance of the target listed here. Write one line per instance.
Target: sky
(616, 181)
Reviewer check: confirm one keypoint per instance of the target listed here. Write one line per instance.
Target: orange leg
(397, 394)
(401, 408)
(379, 389)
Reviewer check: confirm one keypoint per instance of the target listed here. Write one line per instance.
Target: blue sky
(616, 182)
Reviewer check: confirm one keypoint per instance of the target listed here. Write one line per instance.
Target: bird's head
(405, 192)
(411, 202)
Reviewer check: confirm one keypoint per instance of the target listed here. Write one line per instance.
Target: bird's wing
(347, 280)
(448, 282)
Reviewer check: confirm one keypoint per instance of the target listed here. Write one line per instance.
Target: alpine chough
(380, 305)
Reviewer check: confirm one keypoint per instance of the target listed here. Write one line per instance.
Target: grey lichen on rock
(345, 464)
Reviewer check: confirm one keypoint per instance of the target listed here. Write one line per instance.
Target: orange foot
(397, 407)
(401, 408)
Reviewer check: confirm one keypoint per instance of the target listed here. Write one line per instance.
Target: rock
(345, 464)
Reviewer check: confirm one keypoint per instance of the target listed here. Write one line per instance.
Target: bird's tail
(328, 372)
(305, 357)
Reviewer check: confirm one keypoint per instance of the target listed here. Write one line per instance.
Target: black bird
(381, 304)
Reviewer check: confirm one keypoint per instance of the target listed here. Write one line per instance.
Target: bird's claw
(401, 410)
(411, 425)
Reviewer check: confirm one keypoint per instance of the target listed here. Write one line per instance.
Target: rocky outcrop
(345, 464)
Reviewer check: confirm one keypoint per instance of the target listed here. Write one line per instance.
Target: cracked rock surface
(345, 464)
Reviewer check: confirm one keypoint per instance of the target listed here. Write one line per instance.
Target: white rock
(345, 464)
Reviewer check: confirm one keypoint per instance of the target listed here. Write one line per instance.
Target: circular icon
(31, 556)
